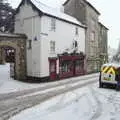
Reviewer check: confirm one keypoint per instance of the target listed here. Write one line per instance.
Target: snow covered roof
(103, 25)
(53, 12)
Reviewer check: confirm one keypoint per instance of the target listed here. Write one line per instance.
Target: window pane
(53, 24)
(76, 31)
(52, 46)
(52, 67)
(92, 36)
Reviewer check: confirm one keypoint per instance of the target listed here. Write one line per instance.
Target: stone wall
(88, 15)
(18, 43)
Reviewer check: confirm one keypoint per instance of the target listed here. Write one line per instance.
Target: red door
(52, 69)
(79, 67)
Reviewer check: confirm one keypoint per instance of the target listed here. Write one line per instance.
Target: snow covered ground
(8, 84)
(88, 103)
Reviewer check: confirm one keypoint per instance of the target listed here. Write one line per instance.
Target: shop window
(65, 66)
(79, 65)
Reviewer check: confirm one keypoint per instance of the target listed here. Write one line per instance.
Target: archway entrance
(8, 54)
(13, 51)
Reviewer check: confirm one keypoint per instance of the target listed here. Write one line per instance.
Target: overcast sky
(110, 16)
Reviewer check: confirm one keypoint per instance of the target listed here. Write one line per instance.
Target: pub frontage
(69, 65)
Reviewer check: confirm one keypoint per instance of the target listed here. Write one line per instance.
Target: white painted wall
(63, 36)
(28, 22)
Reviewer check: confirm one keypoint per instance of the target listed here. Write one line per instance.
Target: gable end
(88, 3)
(30, 3)
(65, 2)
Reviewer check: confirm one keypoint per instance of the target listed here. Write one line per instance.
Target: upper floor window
(76, 31)
(10, 13)
(29, 44)
(52, 46)
(21, 21)
(93, 22)
(2, 11)
(103, 31)
(3, 17)
(92, 50)
(92, 37)
(53, 24)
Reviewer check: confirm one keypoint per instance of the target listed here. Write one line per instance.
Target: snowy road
(15, 102)
(77, 98)
(55, 85)
(86, 103)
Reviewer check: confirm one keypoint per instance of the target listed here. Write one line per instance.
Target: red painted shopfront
(52, 68)
(71, 65)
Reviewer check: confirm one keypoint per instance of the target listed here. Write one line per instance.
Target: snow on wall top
(11, 35)
(116, 65)
(55, 12)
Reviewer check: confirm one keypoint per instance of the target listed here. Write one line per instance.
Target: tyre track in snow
(47, 86)
(113, 99)
(12, 107)
(98, 111)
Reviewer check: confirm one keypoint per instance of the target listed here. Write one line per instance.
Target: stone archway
(18, 43)
(9, 53)
(9, 56)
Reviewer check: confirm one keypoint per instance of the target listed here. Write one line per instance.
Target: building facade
(56, 41)
(13, 51)
(103, 48)
(87, 15)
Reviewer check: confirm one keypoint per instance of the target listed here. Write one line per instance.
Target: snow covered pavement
(87, 103)
(8, 85)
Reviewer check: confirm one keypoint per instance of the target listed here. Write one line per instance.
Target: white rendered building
(55, 41)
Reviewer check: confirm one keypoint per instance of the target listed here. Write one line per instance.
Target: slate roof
(52, 12)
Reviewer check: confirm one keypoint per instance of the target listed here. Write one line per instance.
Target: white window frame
(92, 36)
(53, 24)
(76, 31)
(29, 44)
(52, 46)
